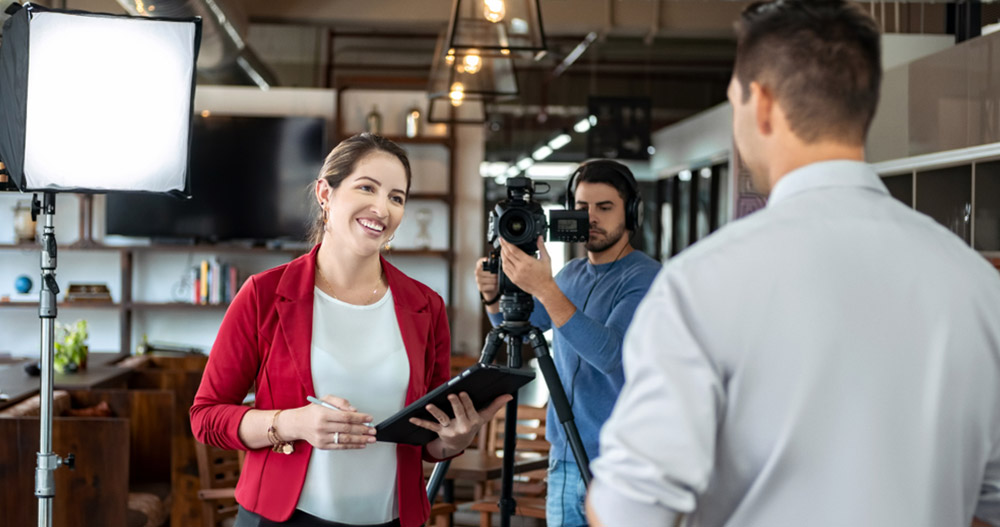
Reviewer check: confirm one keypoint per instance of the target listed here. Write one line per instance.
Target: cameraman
(589, 304)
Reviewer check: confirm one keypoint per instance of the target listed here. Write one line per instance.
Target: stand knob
(70, 461)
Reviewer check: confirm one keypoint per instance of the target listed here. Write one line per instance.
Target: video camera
(520, 220)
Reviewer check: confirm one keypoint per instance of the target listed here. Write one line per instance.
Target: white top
(358, 354)
(832, 360)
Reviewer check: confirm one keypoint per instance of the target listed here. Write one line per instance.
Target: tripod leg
(492, 344)
(437, 477)
(493, 341)
(560, 401)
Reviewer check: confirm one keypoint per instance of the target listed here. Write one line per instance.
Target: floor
(471, 519)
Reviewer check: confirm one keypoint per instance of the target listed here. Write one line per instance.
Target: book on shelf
(214, 282)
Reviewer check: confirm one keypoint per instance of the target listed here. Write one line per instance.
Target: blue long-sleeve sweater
(587, 349)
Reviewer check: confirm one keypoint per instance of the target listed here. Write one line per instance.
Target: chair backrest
(530, 430)
(218, 469)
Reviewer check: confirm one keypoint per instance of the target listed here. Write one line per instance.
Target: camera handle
(515, 333)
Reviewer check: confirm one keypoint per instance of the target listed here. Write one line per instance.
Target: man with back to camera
(831, 360)
(589, 304)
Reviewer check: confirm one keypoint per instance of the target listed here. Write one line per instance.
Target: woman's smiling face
(367, 207)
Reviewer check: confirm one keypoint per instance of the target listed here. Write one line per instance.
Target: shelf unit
(348, 124)
(126, 305)
(958, 188)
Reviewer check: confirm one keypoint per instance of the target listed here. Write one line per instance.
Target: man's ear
(762, 99)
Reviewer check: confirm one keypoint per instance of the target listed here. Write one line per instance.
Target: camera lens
(515, 226)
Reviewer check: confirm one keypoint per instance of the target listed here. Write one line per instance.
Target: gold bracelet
(277, 443)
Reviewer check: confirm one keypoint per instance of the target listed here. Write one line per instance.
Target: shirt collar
(826, 174)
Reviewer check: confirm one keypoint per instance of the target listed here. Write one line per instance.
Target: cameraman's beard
(609, 241)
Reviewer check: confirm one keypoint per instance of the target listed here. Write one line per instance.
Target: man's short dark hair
(608, 172)
(821, 59)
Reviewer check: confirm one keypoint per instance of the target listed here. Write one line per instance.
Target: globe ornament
(22, 284)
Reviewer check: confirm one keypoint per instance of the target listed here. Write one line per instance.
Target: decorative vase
(373, 121)
(24, 226)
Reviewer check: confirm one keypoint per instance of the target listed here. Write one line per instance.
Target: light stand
(516, 306)
(92, 103)
(48, 462)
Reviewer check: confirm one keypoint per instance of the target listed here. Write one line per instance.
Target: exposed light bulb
(494, 10)
(457, 94)
(472, 63)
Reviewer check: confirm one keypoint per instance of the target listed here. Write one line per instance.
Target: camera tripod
(515, 332)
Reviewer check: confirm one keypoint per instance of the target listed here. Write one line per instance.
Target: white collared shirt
(832, 360)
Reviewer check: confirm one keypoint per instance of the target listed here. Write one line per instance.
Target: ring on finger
(336, 438)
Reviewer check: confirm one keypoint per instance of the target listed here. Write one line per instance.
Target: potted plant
(71, 347)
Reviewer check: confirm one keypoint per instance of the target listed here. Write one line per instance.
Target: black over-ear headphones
(633, 202)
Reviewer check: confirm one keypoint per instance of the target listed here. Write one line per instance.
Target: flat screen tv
(251, 179)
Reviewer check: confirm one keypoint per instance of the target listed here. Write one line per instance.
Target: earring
(322, 207)
(388, 243)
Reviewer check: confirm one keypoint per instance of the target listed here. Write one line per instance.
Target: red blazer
(265, 339)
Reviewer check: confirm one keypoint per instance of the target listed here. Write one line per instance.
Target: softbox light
(97, 103)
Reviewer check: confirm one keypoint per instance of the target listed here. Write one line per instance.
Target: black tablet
(483, 383)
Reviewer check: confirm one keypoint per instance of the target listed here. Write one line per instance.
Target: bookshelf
(433, 165)
(131, 302)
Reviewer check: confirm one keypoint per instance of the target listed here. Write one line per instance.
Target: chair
(218, 472)
(441, 514)
(529, 487)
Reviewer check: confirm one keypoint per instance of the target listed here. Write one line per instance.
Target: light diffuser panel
(109, 103)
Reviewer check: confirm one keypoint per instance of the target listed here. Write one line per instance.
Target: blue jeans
(566, 492)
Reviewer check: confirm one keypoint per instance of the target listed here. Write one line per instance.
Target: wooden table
(106, 376)
(16, 385)
(481, 466)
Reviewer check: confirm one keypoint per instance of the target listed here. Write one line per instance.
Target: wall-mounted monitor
(251, 179)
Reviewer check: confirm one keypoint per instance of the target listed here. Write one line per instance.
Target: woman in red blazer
(274, 337)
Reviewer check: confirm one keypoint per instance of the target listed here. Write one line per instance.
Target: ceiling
(678, 53)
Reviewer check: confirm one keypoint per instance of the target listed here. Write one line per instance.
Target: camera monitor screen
(251, 179)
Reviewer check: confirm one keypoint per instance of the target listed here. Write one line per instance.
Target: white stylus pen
(324, 404)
